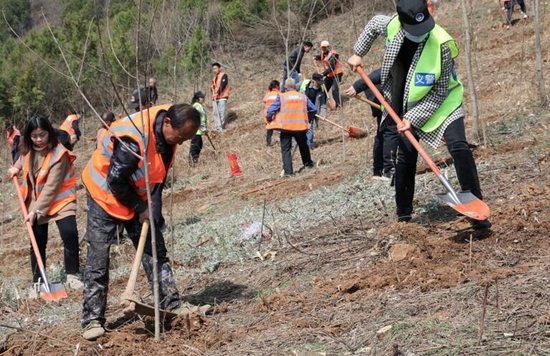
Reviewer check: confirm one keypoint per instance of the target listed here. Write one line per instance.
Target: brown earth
(438, 286)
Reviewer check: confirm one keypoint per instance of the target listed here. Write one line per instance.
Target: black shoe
(404, 218)
(480, 224)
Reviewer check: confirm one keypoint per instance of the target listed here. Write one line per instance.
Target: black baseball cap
(415, 17)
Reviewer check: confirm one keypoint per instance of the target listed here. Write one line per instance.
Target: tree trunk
(471, 84)
(538, 55)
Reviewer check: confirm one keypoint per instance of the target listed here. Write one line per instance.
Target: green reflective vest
(304, 85)
(201, 110)
(427, 72)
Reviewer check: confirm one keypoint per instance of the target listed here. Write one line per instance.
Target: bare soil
(358, 285)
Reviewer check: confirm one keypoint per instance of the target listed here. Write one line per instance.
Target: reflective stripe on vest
(67, 191)
(427, 72)
(325, 60)
(217, 83)
(293, 113)
(11, 137)
(201, 111)
(67, 125)
(269, 98)
(95, 173)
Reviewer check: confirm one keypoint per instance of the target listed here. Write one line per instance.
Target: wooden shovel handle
(137, 260)
(332, 122)
(371, 103)
(398, 121)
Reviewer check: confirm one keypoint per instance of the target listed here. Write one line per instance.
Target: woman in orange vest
(333, 70)
(13, 136)
(108, 117)
(69, 131)
(49, 190)
(269, 98)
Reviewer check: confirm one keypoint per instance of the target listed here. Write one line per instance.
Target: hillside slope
(333, 273)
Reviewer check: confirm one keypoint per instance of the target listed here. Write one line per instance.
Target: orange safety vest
(293, 113)
(101, 133)
(10, 138)
(95, 173)
(216, 84)
(67, 125)
(338, 69)
(67, 192)
(269, 98)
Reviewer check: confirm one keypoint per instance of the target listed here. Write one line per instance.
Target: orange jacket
(67, 192)
(216, 84)
(15, 132)
(293, 113)
(101, 133)
(67, 125)
(325, 60)
(95, 173)
(269, 98)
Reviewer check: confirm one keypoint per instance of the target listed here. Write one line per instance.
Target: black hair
(216, 64)
(274, 84)
(308, 44)
(179, 114)
(108, 116)
(38, 121)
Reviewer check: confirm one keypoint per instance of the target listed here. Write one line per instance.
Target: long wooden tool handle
(398, 121)
(331, 122)
(137, 260)
(29, 228)
(365, 100)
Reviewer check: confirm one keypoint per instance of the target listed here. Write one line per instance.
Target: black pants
(384, 149)
(509, 6)
(69, 235)
(100, 235)
(286, 150)
(336, 80)
(196, 147)
(268, 137)
(407, 156)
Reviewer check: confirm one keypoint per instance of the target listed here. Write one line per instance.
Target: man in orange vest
(333, 70)
(69, 132)
(13, 136)
(289, 115)
(115, 181)
(220, 94)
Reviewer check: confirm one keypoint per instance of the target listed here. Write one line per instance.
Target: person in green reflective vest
(420, 83)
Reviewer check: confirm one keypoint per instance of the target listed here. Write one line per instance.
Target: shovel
(129, 299)
(465, 203)
(371, 103)
(353, 132)
(48, 291)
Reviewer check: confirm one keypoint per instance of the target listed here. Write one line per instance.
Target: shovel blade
(467, 204)
(141, 308)
(56, 291)
(354, 132)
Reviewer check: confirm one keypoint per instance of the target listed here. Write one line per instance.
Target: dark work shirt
(153, 94)
(360, 86)
(124, 164)
(295, 59)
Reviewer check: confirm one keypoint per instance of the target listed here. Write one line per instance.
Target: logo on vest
(419, 17)
(424, 79)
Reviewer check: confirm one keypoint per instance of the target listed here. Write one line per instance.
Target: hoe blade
(467, 204)
(52, 291)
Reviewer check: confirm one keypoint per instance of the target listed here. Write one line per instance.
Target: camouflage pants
(100, 235)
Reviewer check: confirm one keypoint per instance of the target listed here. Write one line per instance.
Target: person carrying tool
(385, 141)
(333, 70)
(152, 91)
(269, 98)
(432, 108)
(220, 95)
(49, 190)
(69, 131)
(108, 117)
(289, 115)
(13, 137)
(508, 7)
(196, 142)
(311, 88)
(291, 66)
(116, 193)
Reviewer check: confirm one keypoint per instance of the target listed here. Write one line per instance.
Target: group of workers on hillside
(417, 77)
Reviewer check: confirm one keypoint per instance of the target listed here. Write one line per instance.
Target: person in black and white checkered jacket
(403, 78)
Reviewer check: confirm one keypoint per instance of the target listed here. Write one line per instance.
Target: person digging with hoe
(116, 193)
(419, 81)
